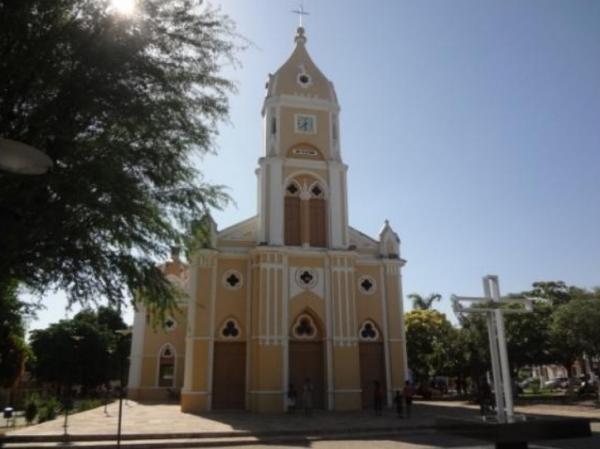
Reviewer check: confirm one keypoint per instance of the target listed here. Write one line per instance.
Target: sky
(473, 126)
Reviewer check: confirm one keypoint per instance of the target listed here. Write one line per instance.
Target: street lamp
(23, 159)
(122, 334)
(110, 352)
(68, 400)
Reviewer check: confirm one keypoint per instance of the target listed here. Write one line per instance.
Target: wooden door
(292, 221)
(318, 223)
(372, 368)
(306, 361)
(229, 376)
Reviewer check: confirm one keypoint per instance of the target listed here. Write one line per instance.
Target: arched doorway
(307, 359)
(372, 362)
(229, 368)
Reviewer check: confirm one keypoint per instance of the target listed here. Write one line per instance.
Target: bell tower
(302, 198)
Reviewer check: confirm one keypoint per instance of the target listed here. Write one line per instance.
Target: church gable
(242, 233)
(362, 242)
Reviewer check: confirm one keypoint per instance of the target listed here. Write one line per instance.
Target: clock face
(305, 124)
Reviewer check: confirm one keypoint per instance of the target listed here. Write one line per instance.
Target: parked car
(525, 383)
(557, 383)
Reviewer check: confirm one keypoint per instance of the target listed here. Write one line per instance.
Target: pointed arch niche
(229, 367)
(372, 360)
(305, 211)
(307, 357)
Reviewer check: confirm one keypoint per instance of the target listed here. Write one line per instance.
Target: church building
(290, 294)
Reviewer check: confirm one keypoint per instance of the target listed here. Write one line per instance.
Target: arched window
(166, 366)
(318, 217)
(292, 230)
(273, 125)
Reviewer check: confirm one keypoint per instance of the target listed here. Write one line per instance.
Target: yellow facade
(293, 295)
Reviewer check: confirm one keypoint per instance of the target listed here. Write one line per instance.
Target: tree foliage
(428, 333)
(424, 302)
(13, 348)
(84, 350)
(123, 106)
(562, 326)
(575, 329)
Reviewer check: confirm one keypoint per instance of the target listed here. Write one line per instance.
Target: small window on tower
(317, 191)
(273, 125)
(304, 79)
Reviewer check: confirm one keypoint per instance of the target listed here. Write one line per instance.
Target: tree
(83, 350)
(424, 303)
(13, 349)
(575, 329)
(557, 292)
(428, 333)
(473, 348)
(528, 336)
(122, 106)
(546, 340)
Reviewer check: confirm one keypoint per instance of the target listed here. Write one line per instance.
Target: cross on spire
(301, 12)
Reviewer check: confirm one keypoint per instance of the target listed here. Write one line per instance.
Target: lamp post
(122, 334)
(110, 352)
(68, 399)
(20, 158)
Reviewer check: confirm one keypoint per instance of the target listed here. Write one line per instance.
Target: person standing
(408, 392)
(485, 397)
(378, 398)
(399, 401)
(307, 396)
(292, 398)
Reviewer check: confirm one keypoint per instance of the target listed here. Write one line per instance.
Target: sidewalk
(581, 410)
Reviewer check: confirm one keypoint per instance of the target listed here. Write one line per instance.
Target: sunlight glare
(125, 7)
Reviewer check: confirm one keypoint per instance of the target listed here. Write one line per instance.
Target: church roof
(299, 76)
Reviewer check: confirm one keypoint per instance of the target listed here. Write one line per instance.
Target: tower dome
(299, 76)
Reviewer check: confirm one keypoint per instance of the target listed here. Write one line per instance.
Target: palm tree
(424, 303)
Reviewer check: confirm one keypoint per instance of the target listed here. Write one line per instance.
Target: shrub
(31, 408)
(88, 404)
(48, 409)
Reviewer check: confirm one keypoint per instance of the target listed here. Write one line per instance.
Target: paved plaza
(143, 418)
(417, 432)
